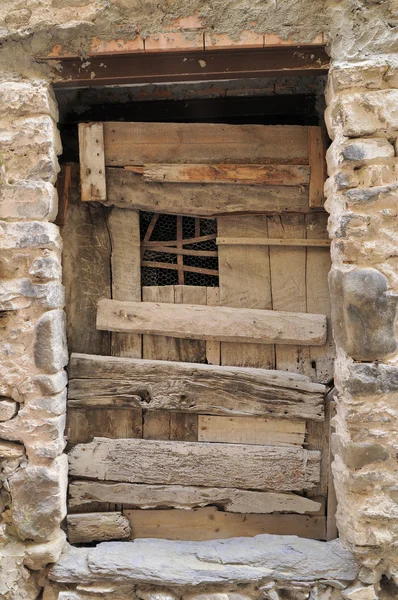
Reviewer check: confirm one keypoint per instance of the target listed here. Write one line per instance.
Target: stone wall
(362, 118)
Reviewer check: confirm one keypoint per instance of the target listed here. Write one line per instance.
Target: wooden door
(207, 397)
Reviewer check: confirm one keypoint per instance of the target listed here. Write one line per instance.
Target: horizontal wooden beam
(112, 69)
(138, 143)
(212, 524)
(85, 492)
(164, 265)
(193, 463)
(251, 174)
(195, 388)
(126, 189)
(218, 323)
(311, 243)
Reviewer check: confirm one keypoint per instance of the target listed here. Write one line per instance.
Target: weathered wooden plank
(244, 279)
(225, 173)
(213, 349)
(92, 162)
(97, 527)
(317, 158)
(159, 347)
(183, 427)
(210, 524)
(193, 351)
(193, 463)
(126, 189)
(86, 271)
(249, 430)
(124, 229)
(242, 241)
(217, 323)
(196, 388)
(318, 438)
(156, 425)
(143, 143)
(318, 297)
(85, 492)
(288, 282)
(331, 525)
(83, 424)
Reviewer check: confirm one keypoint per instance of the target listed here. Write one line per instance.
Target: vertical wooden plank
(86, 271)
(318, 438)
(317, 159)
(213, 349)
(244, 276)
(124, 229)
(159, 347)
(288, 277)
(318, 298)
(117, 423)
(191, 350)
(156, 425)
(184, 427)
(92, 162)
(180, 258)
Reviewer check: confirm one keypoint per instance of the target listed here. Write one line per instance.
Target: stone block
(30, 234)
(28, 200)
(363, 313)
(8, 408)
(364, 114)
(371, 379)
(377, 175)
(39, 499)
(38, 556)
(367, 149)
(179, 564)
(22, 293)
(45, 384)
(30, 147)
(10, 450)
(50, 350)
(360, 454)
(46, 267)
(54, 405)
(360, 592)
(22, 99)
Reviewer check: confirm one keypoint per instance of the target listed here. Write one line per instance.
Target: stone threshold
(236, 561)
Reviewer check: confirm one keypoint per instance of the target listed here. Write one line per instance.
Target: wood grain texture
(194, 463)
(225, 173)
(288, 281)
(244, 280)
(142, 143)
(213, 349)
(92, 162)
(126, 189)
(317, 158)
(97, 527)
(124, 229)
(249, 430)
(196, 388)
(211, 524)
(83, 424)
(86, 271)
(84, 493)
(217, 323)
(318, 297)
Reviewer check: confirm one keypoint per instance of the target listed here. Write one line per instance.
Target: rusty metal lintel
(112, 69)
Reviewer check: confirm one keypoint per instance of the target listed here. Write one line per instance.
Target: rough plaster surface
(362, 200)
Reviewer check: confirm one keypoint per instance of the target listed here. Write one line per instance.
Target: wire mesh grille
(179, 236)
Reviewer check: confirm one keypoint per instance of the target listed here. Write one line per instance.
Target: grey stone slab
(237, 560)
